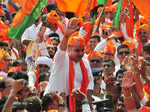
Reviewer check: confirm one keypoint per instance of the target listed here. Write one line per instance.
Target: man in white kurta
(59, 77)
(70, 63)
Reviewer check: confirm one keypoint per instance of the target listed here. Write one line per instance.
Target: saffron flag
(76, 6)
(26, 16)
(104, 2)
(143, 7)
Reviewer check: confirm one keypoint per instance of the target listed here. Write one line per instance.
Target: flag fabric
(143, 7)
(26, 17)
(145, 109)
(101, 2)
(104, 2)
(127, 11)
(76, 6)
(116, 21)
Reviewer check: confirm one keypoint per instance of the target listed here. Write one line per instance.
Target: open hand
(78, 94)
(72, 27)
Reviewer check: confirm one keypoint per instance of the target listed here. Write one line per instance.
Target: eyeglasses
(95, 60)
(45, 66)
(123, 52)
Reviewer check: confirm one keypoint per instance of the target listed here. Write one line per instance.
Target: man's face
(122, 53)
(22, 110)
(143, 35)
(147, 70)
(86, 18)
(42, 68)
(106, 32)
(51, 51)
(108, 68)
(96, 62)
(76, 53)
(93, 42)
(55, 42)
(120, 107)
(119, 77)
(108, 55)
(53, 26)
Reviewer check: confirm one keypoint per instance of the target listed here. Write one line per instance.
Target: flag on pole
(116, 21)
(26, 17)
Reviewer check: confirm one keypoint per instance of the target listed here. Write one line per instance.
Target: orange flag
(143, 7)
(76, 6)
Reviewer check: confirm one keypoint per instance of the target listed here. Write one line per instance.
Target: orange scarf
(84, 83)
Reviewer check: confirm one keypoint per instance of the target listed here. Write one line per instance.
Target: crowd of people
(67, 63)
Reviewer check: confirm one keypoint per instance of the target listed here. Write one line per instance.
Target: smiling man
(71, 70)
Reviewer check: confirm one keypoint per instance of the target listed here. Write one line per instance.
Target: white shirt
(58, 80)
(32, 79)
(31, 32)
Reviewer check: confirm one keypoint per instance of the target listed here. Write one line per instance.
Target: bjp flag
(143, 7)
(76, 6)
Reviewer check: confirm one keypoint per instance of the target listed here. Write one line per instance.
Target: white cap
(44, 60)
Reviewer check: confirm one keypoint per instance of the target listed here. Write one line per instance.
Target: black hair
(122, 46)
(20, 75)
(46, 101)
(70, 15)
(3, 43)
(146, 48)
(50, 7)
(97, 37)
(18, 106)
(120, 71)
(53, 35)
(109, 60)
(33, 104)
(2, 84)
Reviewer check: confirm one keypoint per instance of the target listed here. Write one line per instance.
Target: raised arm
(17, 85)
(72, 27)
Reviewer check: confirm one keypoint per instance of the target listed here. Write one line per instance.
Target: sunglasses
(105, 32)
(123, 52)
(95, 60)
(45, 66)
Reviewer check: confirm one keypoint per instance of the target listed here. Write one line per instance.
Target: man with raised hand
(70, 69)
